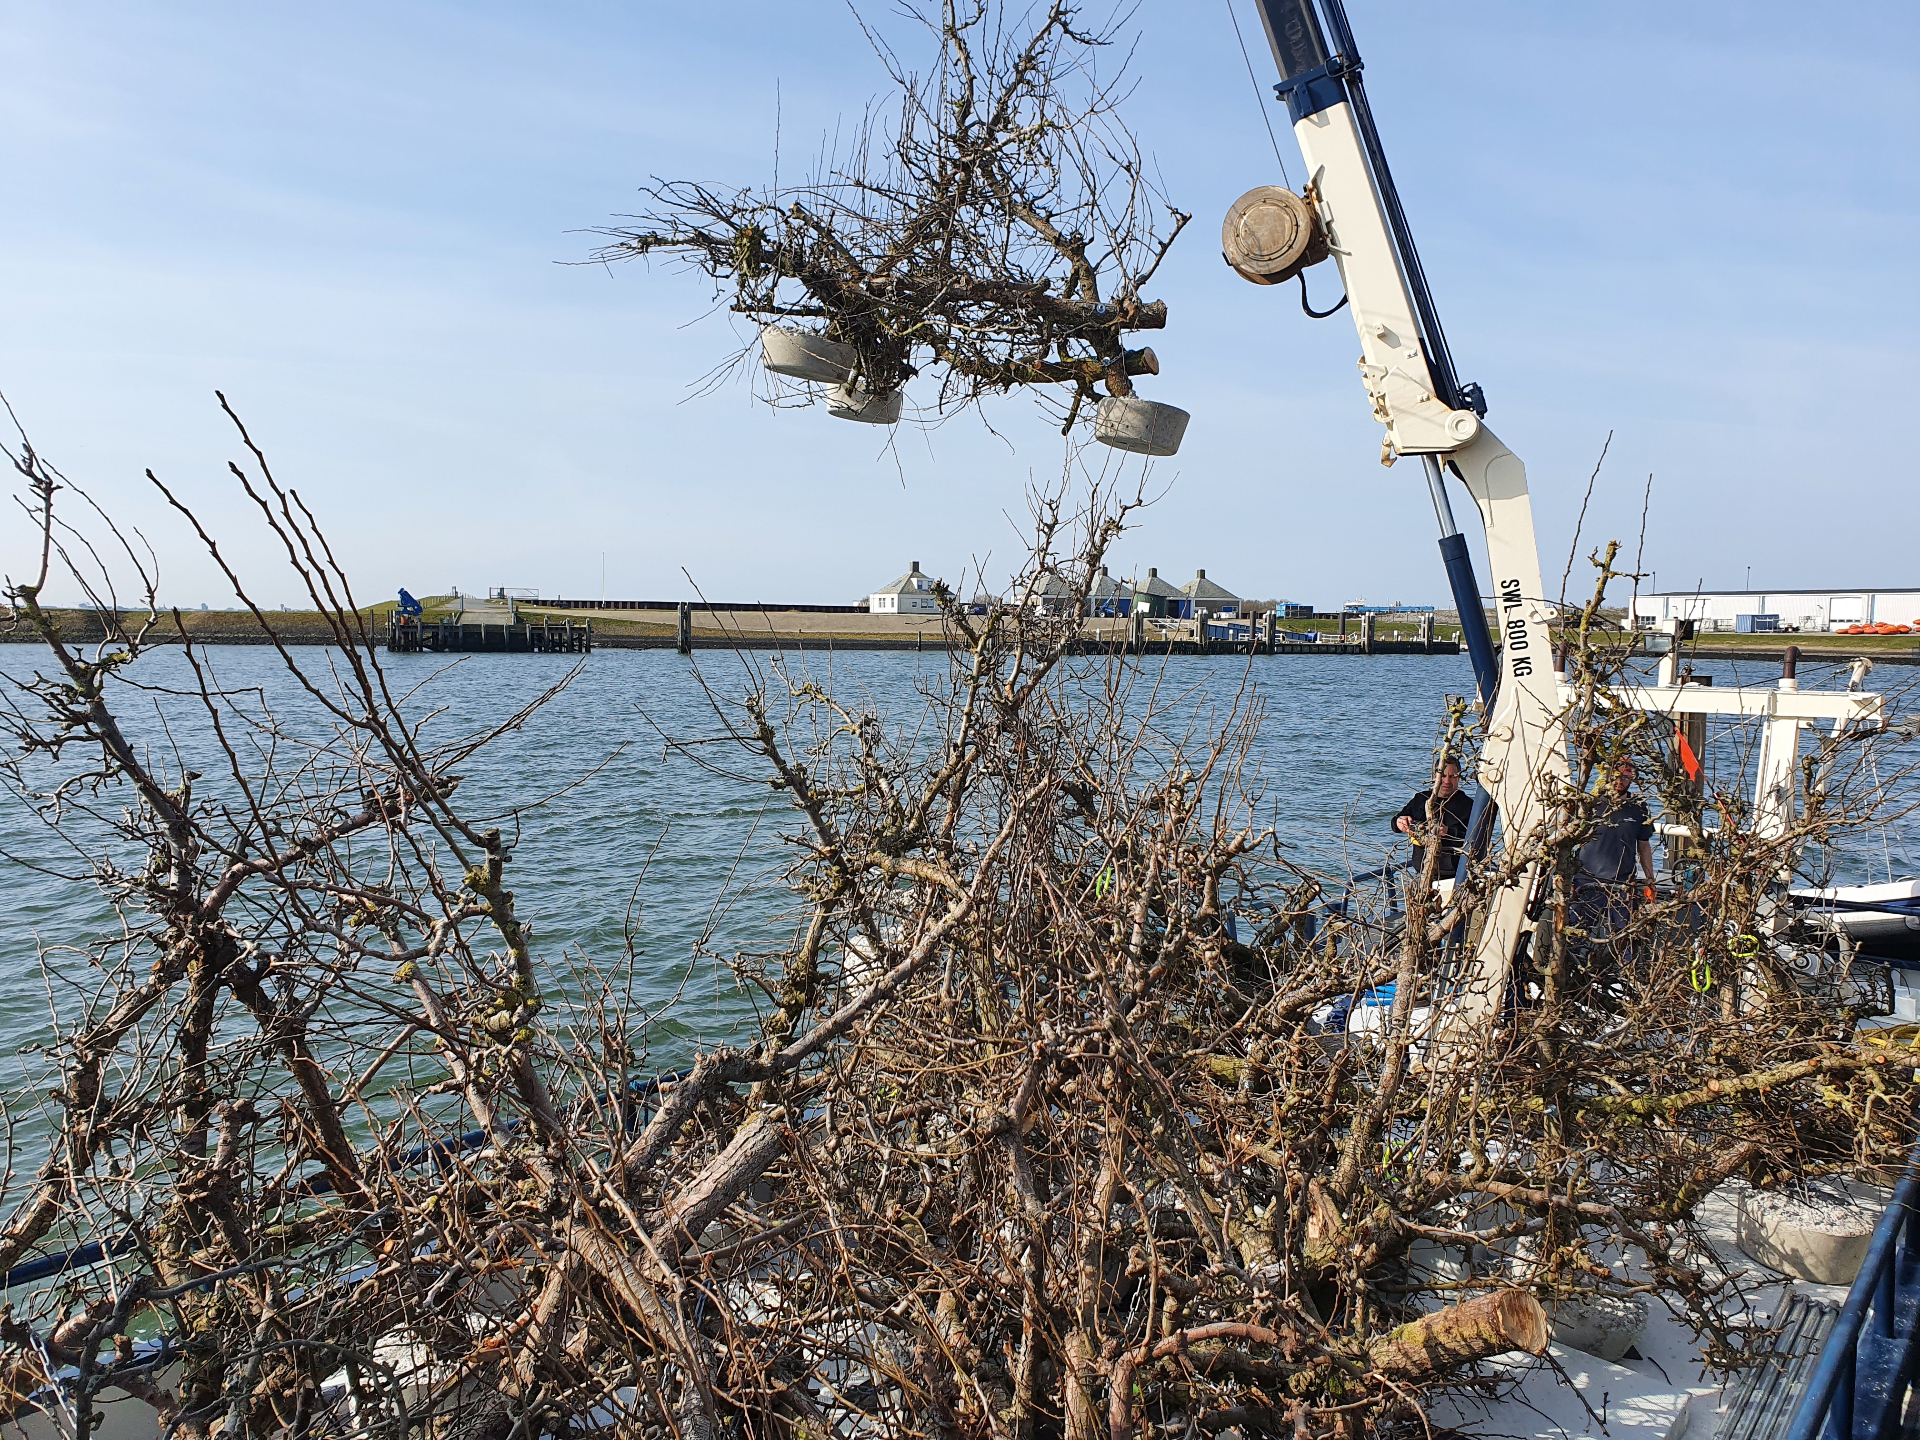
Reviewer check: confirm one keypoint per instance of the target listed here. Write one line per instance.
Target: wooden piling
(684, 641)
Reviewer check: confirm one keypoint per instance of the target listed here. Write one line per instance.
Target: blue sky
(1692, 225)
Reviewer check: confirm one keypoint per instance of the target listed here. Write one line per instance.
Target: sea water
(630, 838)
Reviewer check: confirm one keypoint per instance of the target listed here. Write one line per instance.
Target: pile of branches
(1050, 1126)
(1000, 227)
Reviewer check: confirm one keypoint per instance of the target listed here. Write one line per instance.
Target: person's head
(1621, 775)
(1449, 780)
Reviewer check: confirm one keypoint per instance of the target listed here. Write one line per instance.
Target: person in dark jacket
(1456, 809)
(1606, 887)
(1622, 834)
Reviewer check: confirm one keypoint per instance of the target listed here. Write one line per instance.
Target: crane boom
(1409, 376)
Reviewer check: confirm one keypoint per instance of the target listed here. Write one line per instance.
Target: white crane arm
(1393, 360)
(1426, 411)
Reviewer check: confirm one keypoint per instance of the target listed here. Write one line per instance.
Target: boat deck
(1571, 1393)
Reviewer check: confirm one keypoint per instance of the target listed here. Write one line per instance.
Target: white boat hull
(1883, 920)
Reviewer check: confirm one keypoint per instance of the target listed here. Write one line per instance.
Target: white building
(911, 594)
(1813, 610)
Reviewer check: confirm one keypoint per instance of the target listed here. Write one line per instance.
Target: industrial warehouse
(1758, 611)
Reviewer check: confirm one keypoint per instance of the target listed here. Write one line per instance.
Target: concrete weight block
(1604, 1325)
(849, 402)
(804, 355)
(1145, 427)
(1816, 1231)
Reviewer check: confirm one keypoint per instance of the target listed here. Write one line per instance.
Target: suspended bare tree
(999, 227)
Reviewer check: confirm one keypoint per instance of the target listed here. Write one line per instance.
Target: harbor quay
(580, 626)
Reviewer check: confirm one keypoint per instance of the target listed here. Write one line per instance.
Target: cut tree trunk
(1475, 1329)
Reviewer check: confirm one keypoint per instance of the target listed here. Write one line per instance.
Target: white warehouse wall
(1806, 609)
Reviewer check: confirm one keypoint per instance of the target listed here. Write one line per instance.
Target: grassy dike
(611, 629)
(203, 627)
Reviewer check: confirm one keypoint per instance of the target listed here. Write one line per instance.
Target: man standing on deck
(1455, 810)
(1605, 889)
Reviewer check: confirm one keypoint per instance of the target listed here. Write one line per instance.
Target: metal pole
(1883, 1297)
(1466, 588)
(1437, 488)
